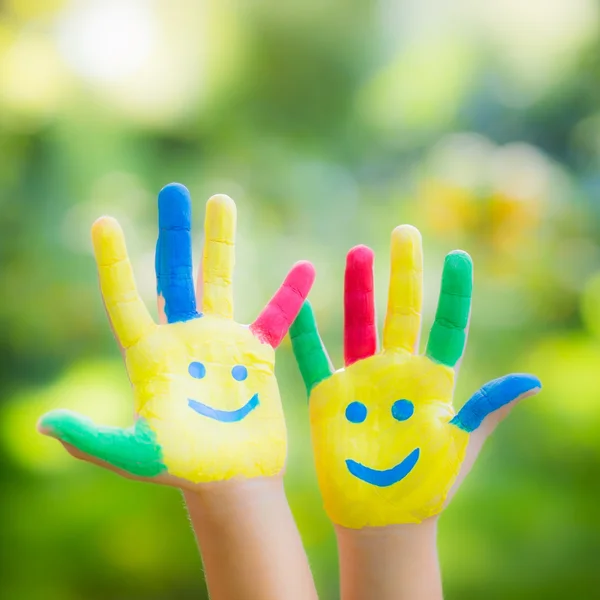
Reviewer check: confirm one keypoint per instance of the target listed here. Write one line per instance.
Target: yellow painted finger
(405, 299)
(129, 316)
(219, 256)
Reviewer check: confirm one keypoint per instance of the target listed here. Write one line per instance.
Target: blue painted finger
(492, 396)
(174, 279)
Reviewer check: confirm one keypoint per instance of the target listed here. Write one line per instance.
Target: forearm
(397, 562)
(250, 546)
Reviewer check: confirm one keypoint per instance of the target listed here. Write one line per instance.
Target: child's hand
(207, 404)
(388, 444)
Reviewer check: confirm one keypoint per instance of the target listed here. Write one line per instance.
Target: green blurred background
(329, 123)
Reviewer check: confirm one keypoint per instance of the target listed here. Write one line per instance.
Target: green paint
(134, 450)
(448, 333)
(308, 348)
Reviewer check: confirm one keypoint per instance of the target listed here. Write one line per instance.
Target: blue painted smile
(388, 476)
(225, 416)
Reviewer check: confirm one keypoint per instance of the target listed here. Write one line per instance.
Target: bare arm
(397, 562)
(250, 546)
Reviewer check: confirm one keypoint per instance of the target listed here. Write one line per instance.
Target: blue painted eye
(239, 372)
(197, 370)
(402, 410)
(356, 412)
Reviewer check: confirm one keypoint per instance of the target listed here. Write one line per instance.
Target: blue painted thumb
(492, 396)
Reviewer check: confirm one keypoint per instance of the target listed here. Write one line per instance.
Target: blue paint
(197, 370)
(492, 396)
(239, 372)
(402, 410)
(173, 262)
(386, 477)
(225, 416)
(356, 412)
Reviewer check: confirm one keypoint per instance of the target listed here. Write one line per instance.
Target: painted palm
(207, 403)
(388, 443)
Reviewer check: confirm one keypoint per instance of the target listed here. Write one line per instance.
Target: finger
(219, 256)
(492, 397)
(134, 450)
(174, 254)
(360, 330)
(507, 391)
(160, 300)
(458, 364)
(200, 282)
(128, 315)
(405, 299)
(308, 348)
(447, 338)
(278, 315)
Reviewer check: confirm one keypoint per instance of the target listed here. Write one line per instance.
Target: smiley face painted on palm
(388, 444)
(396, 458)
(206, 397)
(239, 373)
(402, 410)
(215, 417)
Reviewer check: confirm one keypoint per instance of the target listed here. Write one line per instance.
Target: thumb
(492, 402)
(135, 450)
(485, 409)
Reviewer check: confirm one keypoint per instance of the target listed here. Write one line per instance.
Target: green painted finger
(448, 337)
(134, 450)
(309, 351)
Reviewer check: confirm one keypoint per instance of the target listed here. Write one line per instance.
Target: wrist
(396, 561)
(389, 537)
(244, 526)
(234, 509)
(227, 494)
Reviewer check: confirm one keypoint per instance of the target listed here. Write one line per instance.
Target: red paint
(360, 331)
(278, 315)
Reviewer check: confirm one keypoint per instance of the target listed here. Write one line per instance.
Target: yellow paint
(129, 316)
(381, 442)
(195, 447)
(219, 256)
(403, 318)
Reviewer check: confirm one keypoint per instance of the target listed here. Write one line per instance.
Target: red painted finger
(360, 331)
(278, 315)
